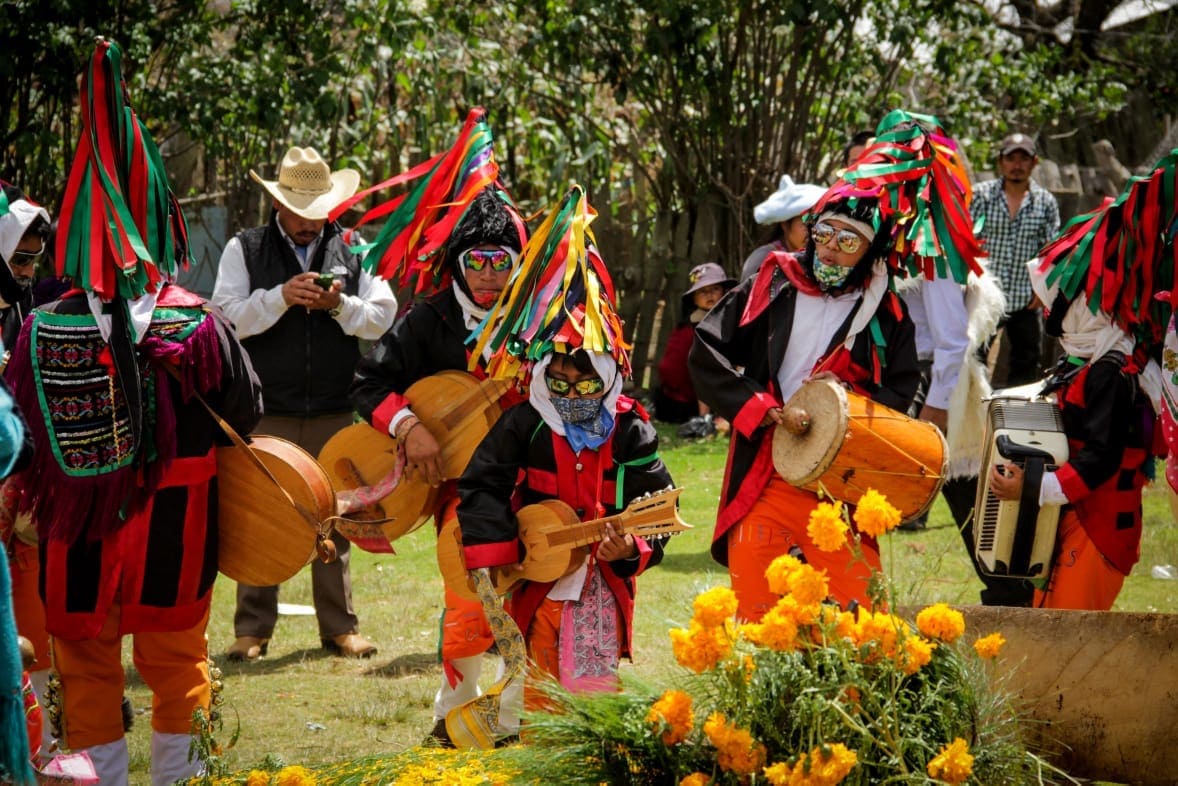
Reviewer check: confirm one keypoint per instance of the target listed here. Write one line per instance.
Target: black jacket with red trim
(521, 462)
(757, 349)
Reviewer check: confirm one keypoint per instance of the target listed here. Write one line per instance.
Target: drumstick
(796, 421)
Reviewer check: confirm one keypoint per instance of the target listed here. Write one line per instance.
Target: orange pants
(174, 664)
(465, 630)
(26, 603)
(1081, 578)
(775, 524)
(542, 640)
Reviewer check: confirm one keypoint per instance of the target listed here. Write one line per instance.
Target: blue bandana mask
(586, 424)
(830, 276)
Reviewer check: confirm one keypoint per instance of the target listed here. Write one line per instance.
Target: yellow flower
(989, 646)
(953, 764)
(673, 710)
(696, 779)
(874, 515)
(918, 652)
(778, 572)
(938, 621)
(736, 750)
(826, 765)
(808, 586)
(295, 776)
(257, 778)
(715, 607)
(881, 630)
(699, 648)
(827, 528)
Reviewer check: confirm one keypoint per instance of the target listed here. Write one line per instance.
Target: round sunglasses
(478, 258)
(848, 241)
(584, 387)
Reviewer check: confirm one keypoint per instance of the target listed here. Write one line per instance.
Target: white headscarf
(1085, 335)
(541, 400)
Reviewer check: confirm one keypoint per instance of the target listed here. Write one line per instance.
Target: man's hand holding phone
(314, 291)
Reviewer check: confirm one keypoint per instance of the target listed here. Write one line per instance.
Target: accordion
(1017, 537)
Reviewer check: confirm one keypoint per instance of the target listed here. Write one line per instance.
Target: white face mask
(830, 276)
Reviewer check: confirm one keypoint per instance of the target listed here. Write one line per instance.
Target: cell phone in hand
(324, 280)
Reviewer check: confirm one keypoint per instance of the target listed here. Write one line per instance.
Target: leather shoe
(349, 645)
(438, 737)
(247, 648)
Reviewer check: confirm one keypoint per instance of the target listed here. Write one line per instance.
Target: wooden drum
(851, 444)
(263, 539)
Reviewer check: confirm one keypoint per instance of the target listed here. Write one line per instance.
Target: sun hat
(706, 275)
(307, 185)
(788, 201)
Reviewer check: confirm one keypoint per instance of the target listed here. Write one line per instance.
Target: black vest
(305, 360)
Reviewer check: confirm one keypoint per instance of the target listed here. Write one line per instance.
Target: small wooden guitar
(556, 542)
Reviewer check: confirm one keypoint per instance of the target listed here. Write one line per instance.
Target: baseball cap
(1015, 142)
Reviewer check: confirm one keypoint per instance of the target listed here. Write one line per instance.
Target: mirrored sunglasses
(478, 258)
(848, 241)
(584, 387)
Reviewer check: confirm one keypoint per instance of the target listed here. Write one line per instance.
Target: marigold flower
(696, 779)
(295, 776)
(874, 515)
(736, 750)
(917, 653)
(699, 648)
(777, 630)
(808, 586)
(880, 629)
(953, 764)
(827, 528)
(777, 574)
(826, 765)
(673, 710)
(715, 607)
(938, 621)
(989, 646)
(257, 778)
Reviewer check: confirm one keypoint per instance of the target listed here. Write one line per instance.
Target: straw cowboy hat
(307, 185)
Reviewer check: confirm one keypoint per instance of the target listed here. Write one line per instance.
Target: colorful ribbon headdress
(121, 228)
(913, 171)
(559, 298)
(1123, 254)
(420, 221)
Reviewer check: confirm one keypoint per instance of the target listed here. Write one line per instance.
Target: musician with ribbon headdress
(454, 238)
(826, 311)
(122, 488)
(577, 439)
(1107, 286)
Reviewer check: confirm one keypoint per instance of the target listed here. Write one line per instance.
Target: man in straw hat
(122, 487)
(302, 302)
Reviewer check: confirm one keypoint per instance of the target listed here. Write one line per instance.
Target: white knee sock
(511, 703)
(110, 762)
(448, 698)
(169, 758)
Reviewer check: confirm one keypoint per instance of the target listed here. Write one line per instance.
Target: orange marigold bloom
(696, 779)
(938, 621)
(673, 710)
(736, 750)
(295, 776)
(257, 778)
(917, 653)
(989, 646)
(808, 586)
(953, 764)
(826, 765)
(715, 607)
(699, 648)
(827, 527)
(881, 629)
(874, 515)
(778, 572)
(777, 630)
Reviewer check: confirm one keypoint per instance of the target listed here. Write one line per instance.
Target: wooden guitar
(555, 541)
(457, 408)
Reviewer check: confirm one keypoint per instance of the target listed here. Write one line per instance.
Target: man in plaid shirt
(1018, 218)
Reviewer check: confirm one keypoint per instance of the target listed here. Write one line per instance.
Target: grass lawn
(300, 706)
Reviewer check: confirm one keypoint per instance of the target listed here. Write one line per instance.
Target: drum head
(802, 458)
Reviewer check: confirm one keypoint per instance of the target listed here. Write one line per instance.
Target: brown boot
(247, 648)
(349, 645)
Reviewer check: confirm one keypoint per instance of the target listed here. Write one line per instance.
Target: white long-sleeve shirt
(367, 314)
(937, 309)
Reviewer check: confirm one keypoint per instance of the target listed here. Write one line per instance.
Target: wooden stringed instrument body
(263, 539)
(555, 541)
(457, 408)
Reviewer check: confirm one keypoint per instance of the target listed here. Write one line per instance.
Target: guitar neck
(585, 533)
